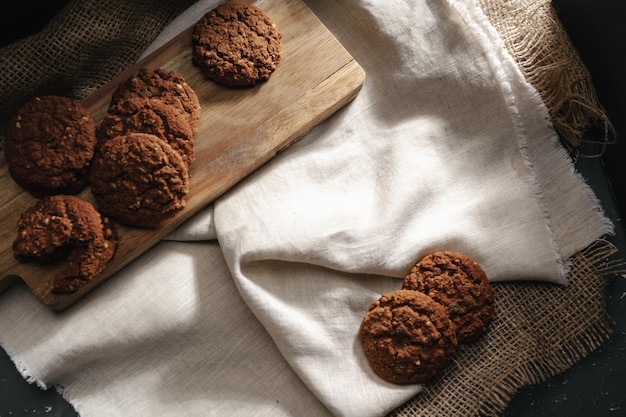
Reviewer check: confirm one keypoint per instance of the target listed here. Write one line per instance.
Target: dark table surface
(593, 387)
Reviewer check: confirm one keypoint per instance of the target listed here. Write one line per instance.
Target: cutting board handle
(7, 281)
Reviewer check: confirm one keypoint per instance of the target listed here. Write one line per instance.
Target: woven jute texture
(536, 39)
(85, 45)
(539, 330)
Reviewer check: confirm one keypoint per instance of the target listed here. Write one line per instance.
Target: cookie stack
(410, 335)
(140, 174)
(137, 161)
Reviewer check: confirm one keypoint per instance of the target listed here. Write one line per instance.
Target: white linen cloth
(252, 308)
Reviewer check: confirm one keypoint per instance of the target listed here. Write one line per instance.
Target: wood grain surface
(240, 130)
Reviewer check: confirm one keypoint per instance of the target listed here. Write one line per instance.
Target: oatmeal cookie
(460, 284)
(149, 115)
(407, 337)
(50, 142)
(165, 85)
(66, 227)
(236, 45)
(139, 180)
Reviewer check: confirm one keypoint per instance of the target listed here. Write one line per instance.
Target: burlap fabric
(540, 330)
(532, 338)
(535, 37)
(82, 48)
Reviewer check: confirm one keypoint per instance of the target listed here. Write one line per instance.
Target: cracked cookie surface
(407, 337)
(163, 84)
(50, 142)
(460, 284)
(149, 115)
(236, 45)
(66, 227)
(139, 180)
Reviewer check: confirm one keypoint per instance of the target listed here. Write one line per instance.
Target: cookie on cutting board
(66, 227)
(166, 85)
(236, 45)
(139, 180)
(149, 115)
(50, 142)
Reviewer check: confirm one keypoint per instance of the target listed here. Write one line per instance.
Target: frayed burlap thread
(529, 340)
(84, 46)
(535, 37)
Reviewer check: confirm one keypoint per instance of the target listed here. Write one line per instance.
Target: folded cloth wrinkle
(432, 155)
(253, 306)
(170, 336)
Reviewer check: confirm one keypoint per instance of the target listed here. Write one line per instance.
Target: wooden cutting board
(240, 130)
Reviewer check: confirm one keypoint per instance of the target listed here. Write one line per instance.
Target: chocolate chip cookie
(70, 228)
(407, 337)
(50, 142)
(139, 180)
(459, 283)
(236, 45)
